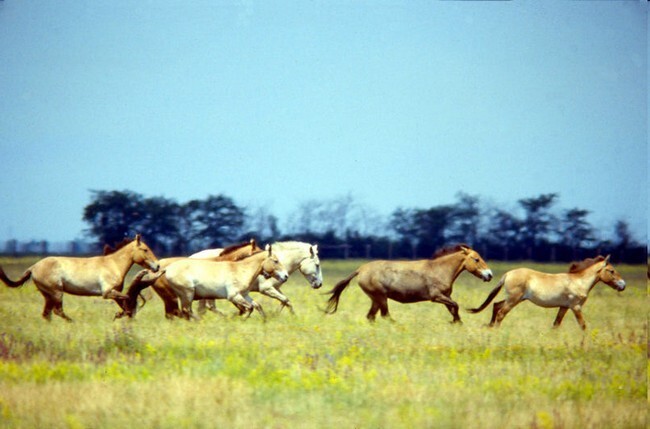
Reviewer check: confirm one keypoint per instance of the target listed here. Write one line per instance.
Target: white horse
(294, 255)
(193, 279)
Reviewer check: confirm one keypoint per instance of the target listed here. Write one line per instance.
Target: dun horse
(564, 290)
(413, 281)
(295, 256)
(93, 276)
(159, 282)
(193, 279)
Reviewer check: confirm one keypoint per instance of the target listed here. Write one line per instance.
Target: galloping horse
(294, 255)
(564, 290)
(413, 281)
(160, 285)
(93, 276)
(197, 279)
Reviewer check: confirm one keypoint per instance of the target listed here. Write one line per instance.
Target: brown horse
(564, 290)
(161, 286)
(92, 276)
(414, 281)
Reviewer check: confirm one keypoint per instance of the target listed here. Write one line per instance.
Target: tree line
(535, 230)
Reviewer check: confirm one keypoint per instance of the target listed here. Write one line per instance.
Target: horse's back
(544, 289)
(207, 253)
(392, 274)
(64, 266)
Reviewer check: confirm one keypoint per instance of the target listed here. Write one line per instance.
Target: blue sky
(275, 103)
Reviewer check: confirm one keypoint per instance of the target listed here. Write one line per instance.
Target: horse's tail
(490, 297)
(11, 283)
(333, 301)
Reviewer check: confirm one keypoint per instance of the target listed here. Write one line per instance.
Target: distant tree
(576, 231)
(465, 219)
(263, 225)
(402, 223)
(504, 231)
(216, 221)
(432, 227)
(538, 222)
(159, 223)
(113, 215)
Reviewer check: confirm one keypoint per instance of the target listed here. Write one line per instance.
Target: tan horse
(564, 290)
(295, 256)
(161, 286)
(194, 279)
(414, 281)
(93, 276)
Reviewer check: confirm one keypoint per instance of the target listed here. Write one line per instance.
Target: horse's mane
(108, 249)
(235, 247)
(576, 267)
(291, 243)
(448, 250)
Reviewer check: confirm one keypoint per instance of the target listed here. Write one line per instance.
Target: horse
(563, 290)
(89, 276)
(194, 279)
(413, 281)
(294, 255)
(160, 285)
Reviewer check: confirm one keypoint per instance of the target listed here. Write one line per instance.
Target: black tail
(490, 297)
(21, 281)
(333, 302)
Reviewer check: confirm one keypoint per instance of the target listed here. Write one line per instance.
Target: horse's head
(143, 255)
(475, 264)
(608, 275)
(271, 267)
(310, 268)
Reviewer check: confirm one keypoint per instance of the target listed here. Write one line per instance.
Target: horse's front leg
(271, 291)
(254, 305)
(577, 312)
(244, 306)
(451, 305)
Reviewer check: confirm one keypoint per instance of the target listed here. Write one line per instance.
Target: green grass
(312, 370)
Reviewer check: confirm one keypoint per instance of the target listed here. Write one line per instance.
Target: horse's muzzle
(620, 285)
(486, 275)
(282, 276)
(154, 267)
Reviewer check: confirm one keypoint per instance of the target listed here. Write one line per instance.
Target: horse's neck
(587, 279)
(252, 267)
(122, 258)
(449, 267)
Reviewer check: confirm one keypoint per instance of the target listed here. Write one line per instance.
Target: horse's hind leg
(495, 309)
(47, 309)
(560, 315)
(504, 309)
(58, 310)
(372, 313)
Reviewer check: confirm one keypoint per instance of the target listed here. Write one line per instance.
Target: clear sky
(274, 103)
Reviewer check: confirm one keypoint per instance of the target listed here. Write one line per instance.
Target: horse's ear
(311, 251)
(253, 243)
(465, 249)
(137, 238)
(268, 249)
(607, 259)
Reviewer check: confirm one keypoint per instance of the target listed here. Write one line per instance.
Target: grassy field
(317, 371)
